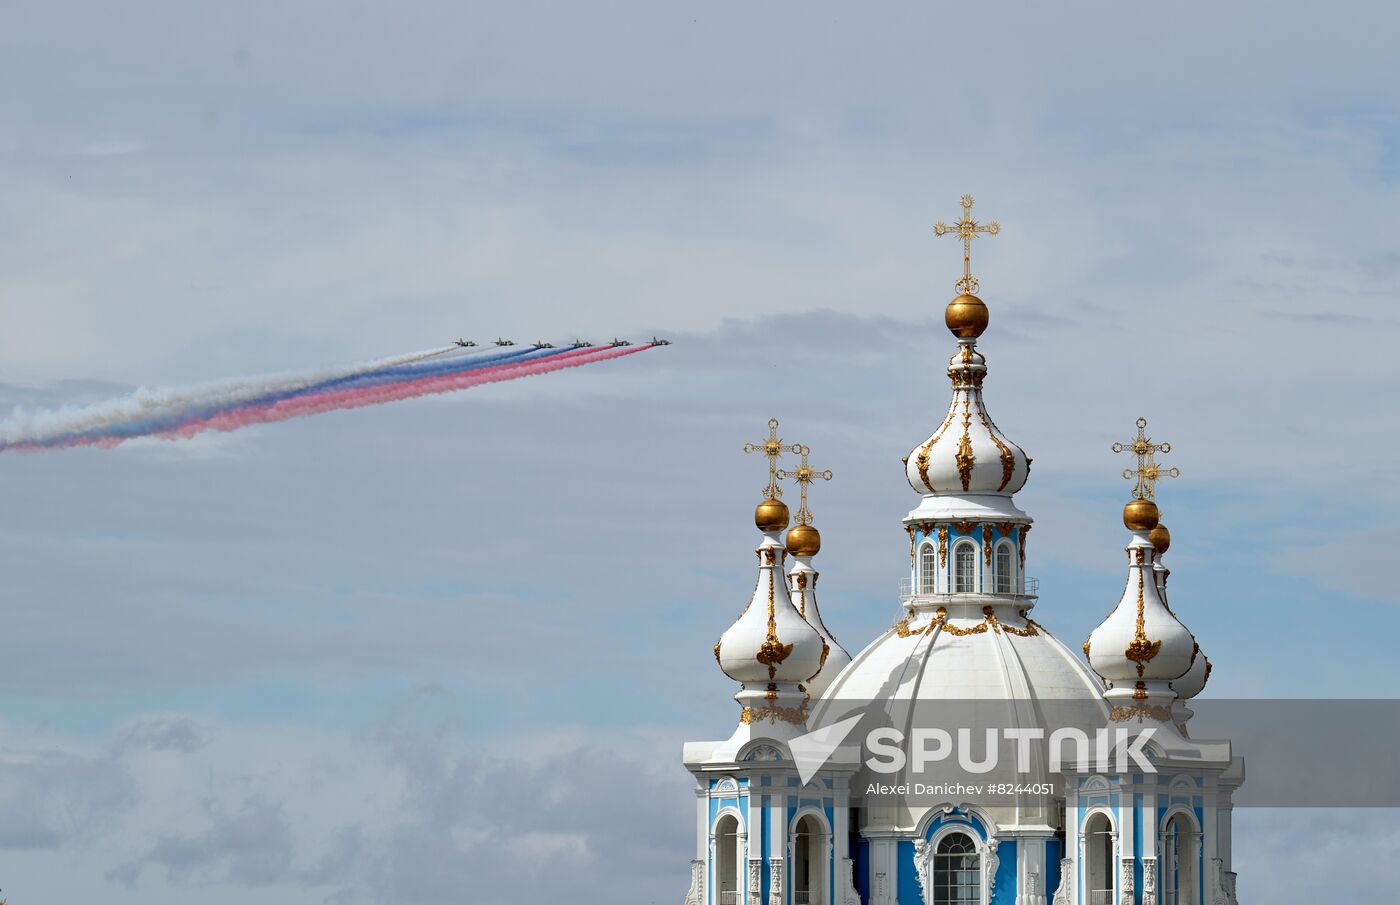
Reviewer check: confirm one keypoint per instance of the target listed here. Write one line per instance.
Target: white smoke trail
(34, 427)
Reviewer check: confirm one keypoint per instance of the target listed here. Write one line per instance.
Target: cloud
(331, 660)
(401, 815)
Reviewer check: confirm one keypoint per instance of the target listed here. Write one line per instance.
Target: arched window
(809, 863)
(928, 569)
(1180, 856)
(1098, 845)
(727, 860)
(957, 871)
(965, 567)
(1005, 570)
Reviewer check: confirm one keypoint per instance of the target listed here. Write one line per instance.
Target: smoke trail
(25, 428)
(358, 397)
(229, 406)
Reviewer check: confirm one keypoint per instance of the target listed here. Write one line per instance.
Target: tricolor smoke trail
(178, 414)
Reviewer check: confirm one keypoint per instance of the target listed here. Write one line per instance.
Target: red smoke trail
(376, 395)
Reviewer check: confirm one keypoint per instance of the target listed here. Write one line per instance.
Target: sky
(417, 653)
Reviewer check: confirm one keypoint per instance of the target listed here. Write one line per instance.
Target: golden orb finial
(804, 540)
(1141, 515)
(771, 515)
(1161, 538)
(966, 316)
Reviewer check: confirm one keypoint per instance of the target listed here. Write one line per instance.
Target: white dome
(770, 641)
(1140, 641)
(980, 650)
(967, 454)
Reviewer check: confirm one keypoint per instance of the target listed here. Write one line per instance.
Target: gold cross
(773, 448)
(1148, 471)
(966, 229)
(804, 475)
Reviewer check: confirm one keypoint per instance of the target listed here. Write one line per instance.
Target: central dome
(967, 454)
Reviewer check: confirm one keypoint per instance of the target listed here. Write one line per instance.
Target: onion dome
(771, 649)
(967, 454)
(1141, 647)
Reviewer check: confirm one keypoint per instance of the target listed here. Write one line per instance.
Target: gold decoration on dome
(967, 229)
(774, 714)
(772, 652)
(772, 448)
(903, 627)
(921, 460)
(826, 652)
(1121, 714)
(804, 474)
(1141, 650)
(1148, 472)
(964, 457)
(1008, 461)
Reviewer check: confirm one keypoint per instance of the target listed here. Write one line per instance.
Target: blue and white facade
(1100, 838)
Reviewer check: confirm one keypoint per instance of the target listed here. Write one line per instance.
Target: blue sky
(394, 653)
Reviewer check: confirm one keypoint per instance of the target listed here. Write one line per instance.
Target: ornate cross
(773, 448)
(966, 229)
(804, 475)
(1148, 471)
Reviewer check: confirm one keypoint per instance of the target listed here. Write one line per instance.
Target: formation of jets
(576, 344)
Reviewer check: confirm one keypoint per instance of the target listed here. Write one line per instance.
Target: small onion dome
(771, 515)
(1140, 515)
(804, 540)
(1141, 639)
(770, 641)
(1194, 682)
(966, 316)
(1161, 538)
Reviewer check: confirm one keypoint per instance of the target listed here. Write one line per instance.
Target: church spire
(968, 454)
(1141, 648)
(770, 649)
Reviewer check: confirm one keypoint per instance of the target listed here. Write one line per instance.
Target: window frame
(964, 546)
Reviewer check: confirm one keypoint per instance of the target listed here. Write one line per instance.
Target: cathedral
(785, 813)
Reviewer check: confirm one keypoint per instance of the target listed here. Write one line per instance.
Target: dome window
(965, 568)
(1005, 570)
(928, 569)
